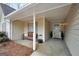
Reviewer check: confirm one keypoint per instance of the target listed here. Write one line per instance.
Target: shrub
(3, 37)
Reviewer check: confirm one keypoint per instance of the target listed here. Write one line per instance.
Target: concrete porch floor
(52, 47)
(26, 42)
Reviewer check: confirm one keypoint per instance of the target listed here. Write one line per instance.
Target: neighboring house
(4, 10)
(39, 19)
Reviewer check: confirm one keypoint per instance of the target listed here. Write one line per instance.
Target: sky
(16, 5)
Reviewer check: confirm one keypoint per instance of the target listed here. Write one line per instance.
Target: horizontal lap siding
(17, 30)
(72, 34)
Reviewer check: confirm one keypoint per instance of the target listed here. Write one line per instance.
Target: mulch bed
(11, 48)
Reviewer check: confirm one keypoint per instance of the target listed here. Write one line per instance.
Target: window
(30, 27)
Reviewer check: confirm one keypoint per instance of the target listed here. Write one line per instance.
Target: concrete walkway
(52, 47)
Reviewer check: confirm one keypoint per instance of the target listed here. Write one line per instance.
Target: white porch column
(7, 21)
(10, 29)
(43, 28)
(34, 32)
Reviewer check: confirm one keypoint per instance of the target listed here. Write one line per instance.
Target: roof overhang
(37, 7)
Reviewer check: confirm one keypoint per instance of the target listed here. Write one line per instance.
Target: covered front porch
(37, 19)
(27, 30)
(23, 30)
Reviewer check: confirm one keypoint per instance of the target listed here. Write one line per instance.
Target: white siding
(41, 28)
(17, 30)
(1, 18)
(47, 29)
(26, 28)
(72, 32)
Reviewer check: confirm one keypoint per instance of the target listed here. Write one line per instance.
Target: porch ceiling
(56, 15)
(52, 11)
